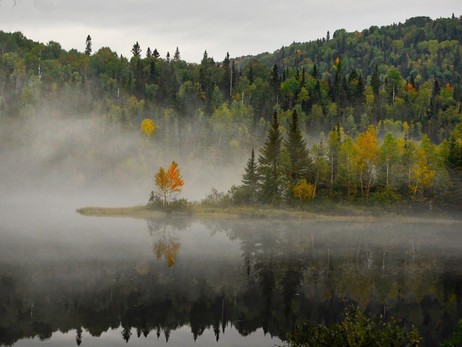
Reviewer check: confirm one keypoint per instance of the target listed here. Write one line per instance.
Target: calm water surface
(67, 280)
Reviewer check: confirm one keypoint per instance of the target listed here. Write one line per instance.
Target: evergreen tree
(275, 82)
(136, 50)
(176, 56)
(375, 81)
(88, 45)
(455, 149)
(314, 72)
(269, 168)
(227, 81)
(234, 75)
(295, 144)
(148, 53)
(250, 179)
(152, 71)
(156, 53)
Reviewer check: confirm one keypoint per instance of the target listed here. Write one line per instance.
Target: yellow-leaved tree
(366, 150)
(148, 126)
(423, 171)
(304, 190)
(168, 183)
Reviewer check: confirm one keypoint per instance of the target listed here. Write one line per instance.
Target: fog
(66, 278)
(244, 281)
(54, 157)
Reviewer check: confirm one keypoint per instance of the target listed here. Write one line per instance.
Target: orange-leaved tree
(168, 183)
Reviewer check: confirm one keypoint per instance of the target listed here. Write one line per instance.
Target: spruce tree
(275, 82)
(177, 56)
(136, 50)
(227, 81)
(88, 45)
(250, 180)
(295, 144)
(269, 168)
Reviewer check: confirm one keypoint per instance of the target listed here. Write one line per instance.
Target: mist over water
(87, 160)
(66, 278)
(243, 282)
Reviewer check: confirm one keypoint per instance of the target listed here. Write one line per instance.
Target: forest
(352, 116)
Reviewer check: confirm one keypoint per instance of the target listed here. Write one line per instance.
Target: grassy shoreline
(351, 213)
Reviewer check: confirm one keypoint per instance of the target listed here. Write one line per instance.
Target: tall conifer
(269, 161)
(295, 145)
(250, 179)
(88, 45)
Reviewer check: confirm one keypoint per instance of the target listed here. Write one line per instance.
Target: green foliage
(219, 199)
(249, 189)
(269, 165)
(295, 144)
(367, 168)
(355, 330)
(385, 196)
(386, 76)
(456, 338)
(155, 202)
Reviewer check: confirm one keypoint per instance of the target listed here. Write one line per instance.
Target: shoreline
(350, 214)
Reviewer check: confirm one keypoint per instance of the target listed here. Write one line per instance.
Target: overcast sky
(241, 27)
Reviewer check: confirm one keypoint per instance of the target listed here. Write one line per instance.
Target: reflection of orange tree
(166, 247)
(166, 244)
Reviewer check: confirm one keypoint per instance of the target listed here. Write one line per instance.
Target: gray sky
(241, 27)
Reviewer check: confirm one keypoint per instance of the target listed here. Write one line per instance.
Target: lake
(67, 279)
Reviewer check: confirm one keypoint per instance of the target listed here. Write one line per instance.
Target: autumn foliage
(303, 190)
(167, 248)
(168, 183)
(148, 127)
(382, 163)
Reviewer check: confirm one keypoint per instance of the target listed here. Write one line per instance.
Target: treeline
(381, 163)
(403, 72)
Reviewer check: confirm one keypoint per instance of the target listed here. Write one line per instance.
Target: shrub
(356, 329)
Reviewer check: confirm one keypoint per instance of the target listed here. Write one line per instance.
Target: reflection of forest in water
(286, 273)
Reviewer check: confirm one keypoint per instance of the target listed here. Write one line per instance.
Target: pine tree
(269, 168)
(295, 144)
(148, 53)
(250, 179)
(88, 45)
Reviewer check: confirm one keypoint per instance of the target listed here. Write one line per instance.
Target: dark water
(66, 279)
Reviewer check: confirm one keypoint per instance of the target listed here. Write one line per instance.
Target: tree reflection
(166, 243)
(78, 337)
(284, 273)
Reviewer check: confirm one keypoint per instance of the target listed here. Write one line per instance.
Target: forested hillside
(404, 79)
(409, 71)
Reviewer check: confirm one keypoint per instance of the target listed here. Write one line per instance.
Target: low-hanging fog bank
(93, 161)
